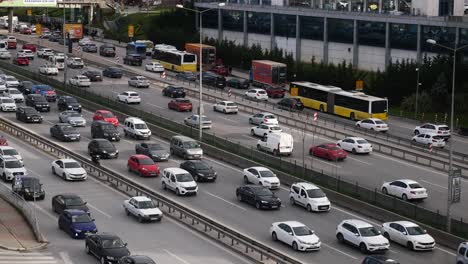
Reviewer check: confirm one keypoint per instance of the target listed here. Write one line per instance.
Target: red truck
(266, 73)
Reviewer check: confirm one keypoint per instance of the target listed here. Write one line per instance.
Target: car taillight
(359, 146)
(257, 94)
(265, 120)
(439, 132)
(378, 126)
(413, 192)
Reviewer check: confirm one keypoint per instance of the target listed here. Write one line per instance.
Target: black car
(28, 115)
(133, 59)
(291, 104)
(29, 188)
(108, 248)
(238, 83)
(68, 103)
(200, 170)
(107, 50)
(112, 72)
(89, 47)
(259, 196)
(379, 259)
(38, 101)
(214, 80)
(153, 150)
(65, 132)
(93, 76)
(187, 76)
(174, 91)
(63, 202)
(136, 259)
(102, 147)
(103, 129)
(25, 87)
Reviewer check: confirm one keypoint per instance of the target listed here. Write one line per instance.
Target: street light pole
(417, 94)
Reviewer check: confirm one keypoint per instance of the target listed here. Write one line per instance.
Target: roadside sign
(131, 31)
(38, 29)
(29, 12)
(455, 188)
(359, 85)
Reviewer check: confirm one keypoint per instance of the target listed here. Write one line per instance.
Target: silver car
(73, 118)
(263, 118)
(138, 81)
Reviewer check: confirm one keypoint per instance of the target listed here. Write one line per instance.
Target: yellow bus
(175, 60)
(334, 100)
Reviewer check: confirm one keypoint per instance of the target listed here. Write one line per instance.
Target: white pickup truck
(143, 209)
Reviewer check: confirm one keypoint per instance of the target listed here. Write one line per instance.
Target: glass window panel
(340, 30)
(258, 23)
(443, 35)
(233, 20)
(371, 33)
(285, 25)
(210, 19)
(311, 27)
(403, 36)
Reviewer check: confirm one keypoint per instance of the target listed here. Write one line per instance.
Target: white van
(58, 61)
(136, 128)
(277, 143)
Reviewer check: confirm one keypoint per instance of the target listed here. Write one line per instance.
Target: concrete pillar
(298, 39)
(418, 45)
(10, 19)
(364, 7)
(380, 6)
(197, 21)
(91, 14)
(355, 44)
(260, 2)
(325, 40)
(321, 4)
(457, 36)
(246, 34)
(349, 6)
(388, 53)
(220, 25)
(272, 32)
(72, 14)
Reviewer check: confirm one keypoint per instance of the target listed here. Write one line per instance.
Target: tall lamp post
(417, 92)
(200, 107)
(452, 113)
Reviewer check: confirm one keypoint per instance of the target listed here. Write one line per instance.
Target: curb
(22, 249)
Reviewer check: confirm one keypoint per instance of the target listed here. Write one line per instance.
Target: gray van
(462, 253)
(186, 147)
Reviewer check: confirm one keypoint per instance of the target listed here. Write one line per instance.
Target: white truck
(58, 61)
(143, 209)
(277, 143)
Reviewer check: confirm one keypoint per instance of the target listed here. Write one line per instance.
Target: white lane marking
(108, 187)
(157, 106)
(66, 258)
(428, 182)
(227, 119)
(176, 257)
(224, 200)
(358, 160)
(339, 251)
(446, 251)
(100, 211)
(409, 164)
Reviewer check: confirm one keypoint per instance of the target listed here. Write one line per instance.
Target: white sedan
(5, 55)
(408, 234)
(48, 70)
(154, 67)
(261, 176)
(355, 145)
(68, 169)
(257, 94)
(129, 97)
(374, 124)
(194, 121)
(226, 107)
(296, 235)
(430, 139)
(7, 104)
(80, 81)
(264, 129)
(84, 41)
(44, 53)
(405, 189)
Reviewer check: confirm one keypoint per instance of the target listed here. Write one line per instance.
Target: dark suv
(107, 50)
(291, 104)
(214, 80)
(103, 129)
(28, 188)
(28, 115)
(133, 59)
(112, 72)
(25, 87)
(68, 103)
(174, 91)
(93, 76)
(38, 102)
(102, 147)
(200, 170)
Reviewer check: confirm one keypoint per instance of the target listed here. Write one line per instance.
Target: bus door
(331, 103)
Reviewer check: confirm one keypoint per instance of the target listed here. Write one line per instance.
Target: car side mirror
(93, 219)
(356, 234)
(258, 176)
(85, 203)
(404, 233)
(125, 244)
(290, 233)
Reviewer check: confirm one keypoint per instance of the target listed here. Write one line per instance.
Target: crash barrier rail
(26, 210)
(231, 238)
(324, 125)
(377, 205)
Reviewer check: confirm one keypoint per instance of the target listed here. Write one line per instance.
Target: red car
(180, 104)
(21, 61)
(3, 141)
(143, 165)
(107, 116)
(275, 91)
(26, 31)
(30, 47)
(220, 70)
(11, 44)
(329, 151)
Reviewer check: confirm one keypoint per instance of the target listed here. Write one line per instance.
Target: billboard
(28, 3)
(75, 31)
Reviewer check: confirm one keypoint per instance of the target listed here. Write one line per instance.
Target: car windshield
(94, 72)
(71, 99)
(32, 184)
(302, 231)
(155, 147)
(68, 128)
(11, 79)
(186, 177)
(72, 165)
(108, 115)
(13, 164)
(146, 161)
(334, 148)
(261, 92)
(112, 243)
(108, 128)
(275, 128)
(264, 192)
(106, 145)
(415, 231)
(201, 166)
(10, 152)
(179, 89)
(231, 104)
(368, 231)
(30, 111)
(146, 205)
(7, 101)
(14, 91)
(270, 117)
(60, 60)
(361, 141)
(191, 145)
(315, 193)
(185, 101)
(76, 115)
(141, 126)
(444, 128)
(74, 201)
(379, 107)
(415, 186)
(266, 174)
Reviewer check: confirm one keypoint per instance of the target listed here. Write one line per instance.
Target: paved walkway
(15, 232)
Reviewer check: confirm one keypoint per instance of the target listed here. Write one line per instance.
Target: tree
(439, 93)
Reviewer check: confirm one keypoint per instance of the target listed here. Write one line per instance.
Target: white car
(309, 196)
(263, 118)
(405, 189)
(10, 81)
(129, 97)
(10, 151)
(362, 235)
(257, 94)
(11, 167)
(441, 130)
(430, 139)
(194, 121)
(48, 70)
(68, 169)
(5, 55)
(178, 180)
(355, 145)
(84, 41)
(138, 81)
(154, 67)
(7, 104)
(26, 53)
(14, 94)
(75, 62)
(80, 81)
(226, 107)
(295, 234)
(142, 208)
(408, 234)
(374, 124)
(44, 53)
(261, 176)
(264, 129)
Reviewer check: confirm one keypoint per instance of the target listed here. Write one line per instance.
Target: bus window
(379, 107)
(189, 58)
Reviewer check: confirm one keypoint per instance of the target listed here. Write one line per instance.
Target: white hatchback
(129, 97)
(408, 234)
(355, 145)
(226, 107)
(441, 130)
(264, 129)
(362, 235)
(257, 94)
(295, 234)
(434, 140)
(309, 196)
(405, 189)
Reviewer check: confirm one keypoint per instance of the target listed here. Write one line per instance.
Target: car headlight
(110, 258)
(104, 151)
(78, 230)
(145, 169)
(106, 134)
(28, 117)
(267, 182)
(215, 173)
(200, 174)
(264, 202)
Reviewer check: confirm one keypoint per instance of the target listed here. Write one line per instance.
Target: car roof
(67, 160)
(140, 156)
(356, 138)
(291, 223)
(140, 198)
(226, 102)
(135, 120)
(407, 181)
(374, 119)
(306, 185)
(259, 168)
(175, 170)
(6, 147)
(357, 223)
(107, 236)
(103, 111)
(266, 113)
(405, 223)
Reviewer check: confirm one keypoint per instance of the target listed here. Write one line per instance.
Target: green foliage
(424, 103)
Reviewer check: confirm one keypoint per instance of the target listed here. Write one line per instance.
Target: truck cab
(58, 61)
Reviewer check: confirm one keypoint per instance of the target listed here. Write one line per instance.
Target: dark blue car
(76, 223)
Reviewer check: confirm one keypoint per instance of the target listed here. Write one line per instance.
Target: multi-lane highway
(216, 200)
(165, 242)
